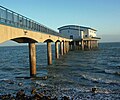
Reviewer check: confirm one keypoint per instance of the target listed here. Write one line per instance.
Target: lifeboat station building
(84, 38)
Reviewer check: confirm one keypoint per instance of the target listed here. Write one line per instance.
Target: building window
(71, 36)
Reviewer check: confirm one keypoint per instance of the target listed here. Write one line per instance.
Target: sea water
(73, 75)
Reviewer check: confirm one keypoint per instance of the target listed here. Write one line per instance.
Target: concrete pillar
(74, 45)
(61, 48)
(89, 45)
(77, 45)
(96, 43)
(82, 44)
(32, 59)
(70, 46)
(56, 50)
(67, 45)
(64, 48)
(49, 53)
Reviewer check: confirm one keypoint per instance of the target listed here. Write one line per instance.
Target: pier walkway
(16, 27)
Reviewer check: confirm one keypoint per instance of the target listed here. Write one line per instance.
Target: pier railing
(11, 18)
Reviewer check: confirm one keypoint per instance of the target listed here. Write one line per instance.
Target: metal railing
(9, 17)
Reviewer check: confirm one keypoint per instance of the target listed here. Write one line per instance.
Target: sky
(103, 15)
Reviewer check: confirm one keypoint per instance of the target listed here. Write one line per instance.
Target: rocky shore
(53, 93)
(20, 95)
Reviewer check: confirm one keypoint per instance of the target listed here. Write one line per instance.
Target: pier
(18, 28)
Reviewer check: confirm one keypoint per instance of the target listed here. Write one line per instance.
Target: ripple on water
(73, 75)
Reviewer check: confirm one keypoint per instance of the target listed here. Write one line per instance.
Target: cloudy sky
(103, 15)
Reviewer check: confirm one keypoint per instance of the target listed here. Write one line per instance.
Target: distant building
(82, 36)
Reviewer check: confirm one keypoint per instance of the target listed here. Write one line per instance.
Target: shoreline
(20, 95)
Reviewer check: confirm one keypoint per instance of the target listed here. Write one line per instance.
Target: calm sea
(73, 75)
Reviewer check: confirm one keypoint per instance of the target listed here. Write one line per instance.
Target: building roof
(74, 27)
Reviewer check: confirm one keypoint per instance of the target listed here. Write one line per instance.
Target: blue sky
(103, 15)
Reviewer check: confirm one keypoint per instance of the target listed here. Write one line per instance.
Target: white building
(84, 35)
(77, 32)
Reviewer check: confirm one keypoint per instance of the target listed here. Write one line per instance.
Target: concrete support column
(74, 45)
(61, 48)
(89, 45)
(49, 53)
(96, 43)
(64, 48)
(82, 44)
(56, 50)
(77, 45)
(70, 46)
(32, 59)
(67, 46)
